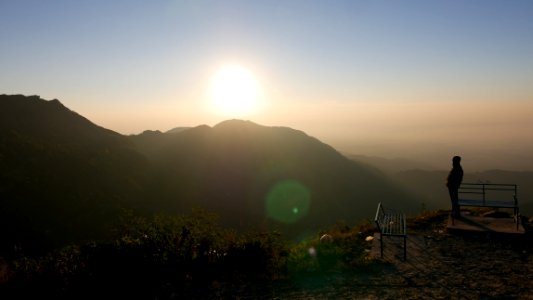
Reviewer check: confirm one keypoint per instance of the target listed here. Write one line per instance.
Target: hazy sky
(455, 73)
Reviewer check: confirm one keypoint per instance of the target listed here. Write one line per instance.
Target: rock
(326, 238)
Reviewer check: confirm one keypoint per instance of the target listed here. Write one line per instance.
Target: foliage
(151, 257)
(187, 255)
(345, 250)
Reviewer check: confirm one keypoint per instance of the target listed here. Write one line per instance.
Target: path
(453, 266)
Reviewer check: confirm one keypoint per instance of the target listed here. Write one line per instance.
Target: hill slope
(242, 169)
(63, 178)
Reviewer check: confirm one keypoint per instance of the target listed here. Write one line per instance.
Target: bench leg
(517, 220)
(517, 215)
(405, 248)
(381, 243)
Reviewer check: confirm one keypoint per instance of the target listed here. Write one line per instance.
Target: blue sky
(135, 65)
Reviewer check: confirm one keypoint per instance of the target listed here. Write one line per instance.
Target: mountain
(65, 179)
(62, 178)
(237, 167)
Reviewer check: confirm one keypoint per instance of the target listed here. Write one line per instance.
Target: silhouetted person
(453, 182)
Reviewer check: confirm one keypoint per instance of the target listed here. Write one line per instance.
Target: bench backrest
(390, 222)
(489, 191)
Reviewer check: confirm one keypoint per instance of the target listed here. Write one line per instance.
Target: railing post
(515, 198)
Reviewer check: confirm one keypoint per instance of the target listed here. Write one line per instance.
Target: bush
(187, 255)
(148, 257)
(345, 250)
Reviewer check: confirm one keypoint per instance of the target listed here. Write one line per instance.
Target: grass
(343, 247)
(429, 220)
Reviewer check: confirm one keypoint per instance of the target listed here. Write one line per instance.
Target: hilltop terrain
(440, 265)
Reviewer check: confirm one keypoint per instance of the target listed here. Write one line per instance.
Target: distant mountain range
(391, 166)
(428, 183)
(65, 179)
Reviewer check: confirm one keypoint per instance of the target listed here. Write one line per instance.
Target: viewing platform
(499, 225)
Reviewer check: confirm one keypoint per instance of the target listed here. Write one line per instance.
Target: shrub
(148, 256)
(344, 251)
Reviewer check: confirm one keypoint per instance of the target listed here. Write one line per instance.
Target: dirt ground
(440, 265)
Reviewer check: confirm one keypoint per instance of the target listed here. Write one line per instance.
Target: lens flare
(288, 201)
(312, 251)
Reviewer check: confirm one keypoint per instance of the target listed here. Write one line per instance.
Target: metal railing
(489, 190)
(496, 195)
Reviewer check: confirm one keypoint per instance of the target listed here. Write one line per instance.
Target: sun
(235, 92)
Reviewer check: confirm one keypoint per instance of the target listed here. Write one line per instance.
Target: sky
(387, 78)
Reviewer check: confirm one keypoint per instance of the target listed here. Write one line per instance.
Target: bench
(391, 223)
(490, 195)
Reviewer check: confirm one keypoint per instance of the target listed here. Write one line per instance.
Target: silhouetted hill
(237, 168)
(177, 129)
(61, 177)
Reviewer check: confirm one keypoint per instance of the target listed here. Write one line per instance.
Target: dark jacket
(455, 177)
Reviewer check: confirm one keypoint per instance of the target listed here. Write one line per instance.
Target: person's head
(456, 160)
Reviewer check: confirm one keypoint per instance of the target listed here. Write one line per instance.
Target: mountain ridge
(64, 178)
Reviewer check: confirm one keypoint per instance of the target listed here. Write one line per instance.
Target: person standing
(453, 182)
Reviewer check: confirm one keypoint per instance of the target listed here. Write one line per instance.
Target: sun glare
(235, 92)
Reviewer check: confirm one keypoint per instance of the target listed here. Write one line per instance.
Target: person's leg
(456, 203)
(454, 196)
